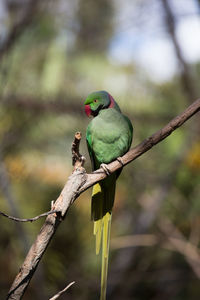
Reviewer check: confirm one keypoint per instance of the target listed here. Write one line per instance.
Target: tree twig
(29, 219)
(77, 159)
(62, 292)
(77, 183)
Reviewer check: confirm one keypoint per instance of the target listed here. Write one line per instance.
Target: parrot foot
(119, 159)
(105, 168)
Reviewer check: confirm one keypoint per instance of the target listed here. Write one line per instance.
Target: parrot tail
(102, 203)
(105, 252)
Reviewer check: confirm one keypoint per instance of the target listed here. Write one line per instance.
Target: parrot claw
(119, 159)
(105, 168)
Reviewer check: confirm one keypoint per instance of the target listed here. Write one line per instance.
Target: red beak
(88, 110)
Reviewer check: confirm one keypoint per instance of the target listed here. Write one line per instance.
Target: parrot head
(97, 101)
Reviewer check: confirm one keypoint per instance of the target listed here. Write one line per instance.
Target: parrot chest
(109, 136)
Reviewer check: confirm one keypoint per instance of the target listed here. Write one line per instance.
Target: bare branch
(62, 292)
(144, 146)
(77, 159)
(77, 183)
(30, 219)
(63, 202)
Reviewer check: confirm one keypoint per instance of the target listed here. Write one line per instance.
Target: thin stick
(29, 219)
(61, 292)
(77, 183)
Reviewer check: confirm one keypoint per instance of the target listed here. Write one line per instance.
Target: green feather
(109, 135)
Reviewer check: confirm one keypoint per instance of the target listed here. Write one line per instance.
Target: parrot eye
(95, 100)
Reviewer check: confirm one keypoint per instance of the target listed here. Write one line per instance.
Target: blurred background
(146, 53)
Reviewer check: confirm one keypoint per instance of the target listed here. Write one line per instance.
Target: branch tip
(61, 292)
(30, 219)
(78, 160)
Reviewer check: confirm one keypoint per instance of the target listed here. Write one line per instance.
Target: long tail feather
(98, 232)
(102, 203)
(105, 254)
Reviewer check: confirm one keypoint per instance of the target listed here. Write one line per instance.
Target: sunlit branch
(77, 183)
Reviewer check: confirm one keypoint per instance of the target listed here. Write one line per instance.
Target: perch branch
(144, 146)
(61, 205)
(77, 183)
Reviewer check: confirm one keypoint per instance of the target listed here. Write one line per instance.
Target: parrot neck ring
(112, 101)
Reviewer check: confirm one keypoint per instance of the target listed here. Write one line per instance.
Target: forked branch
(77, 183)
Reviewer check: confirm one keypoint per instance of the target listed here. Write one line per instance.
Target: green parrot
(108, 136)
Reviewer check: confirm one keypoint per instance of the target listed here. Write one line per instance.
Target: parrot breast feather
(109, 136)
